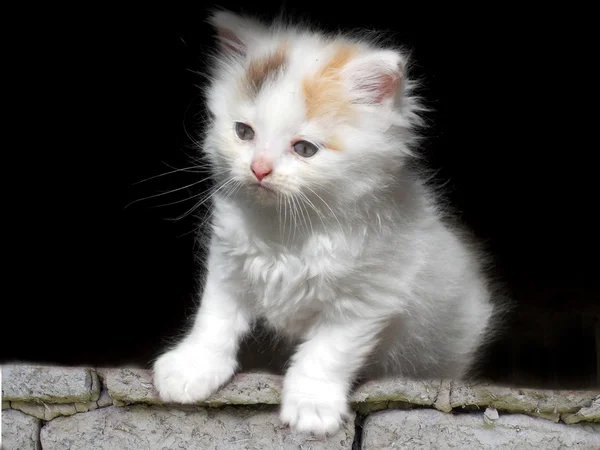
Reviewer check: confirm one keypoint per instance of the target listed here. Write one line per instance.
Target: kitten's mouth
(263, 191)
(263, 188)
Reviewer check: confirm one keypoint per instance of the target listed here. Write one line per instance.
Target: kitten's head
(298, 112)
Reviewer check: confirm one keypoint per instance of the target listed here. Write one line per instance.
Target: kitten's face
(298, 115)
(270, 145)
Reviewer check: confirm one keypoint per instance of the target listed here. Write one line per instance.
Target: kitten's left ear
(234, 33)
(375, 77)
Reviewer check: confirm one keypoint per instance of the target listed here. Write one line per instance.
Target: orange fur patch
(334, 143)
(260, 70)
(323, 92)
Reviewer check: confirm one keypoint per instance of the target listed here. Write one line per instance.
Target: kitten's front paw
(320, 410)
(190, 374)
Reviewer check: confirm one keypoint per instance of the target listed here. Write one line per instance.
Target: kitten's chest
(290, 286)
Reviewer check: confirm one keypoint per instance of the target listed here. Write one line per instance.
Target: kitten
(320, 227)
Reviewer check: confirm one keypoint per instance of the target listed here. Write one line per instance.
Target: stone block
(421, 429)
(48, 384)
(160, 427)
(20, 431)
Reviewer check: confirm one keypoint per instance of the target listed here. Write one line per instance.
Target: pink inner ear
(231, 42)
(380, 87)
(387, 86)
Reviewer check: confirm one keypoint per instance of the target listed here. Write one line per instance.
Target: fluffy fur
(344, 252)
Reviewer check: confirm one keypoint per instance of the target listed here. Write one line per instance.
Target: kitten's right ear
(234, 32)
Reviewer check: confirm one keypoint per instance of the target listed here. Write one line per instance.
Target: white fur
(351, 257)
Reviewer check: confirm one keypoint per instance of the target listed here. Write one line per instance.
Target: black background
(105, 100)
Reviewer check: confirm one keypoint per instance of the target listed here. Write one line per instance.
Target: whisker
(184, 169)
(200, 166)
(289, 231)
(278, 207)
(179, 201)
(303, 203)
(301, 211)
(197, 205)
(295, 217)
(284, 214)
(210, 211)
(196, 142)
(319, 214)
(331, 210)
(169, 192)
(193, 230)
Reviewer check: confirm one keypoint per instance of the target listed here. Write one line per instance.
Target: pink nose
(261, 169)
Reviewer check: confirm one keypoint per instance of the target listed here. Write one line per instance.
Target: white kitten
(321, 229)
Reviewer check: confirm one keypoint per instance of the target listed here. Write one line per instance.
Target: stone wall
(82, 408)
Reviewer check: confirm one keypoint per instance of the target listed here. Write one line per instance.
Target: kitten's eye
(305, 149)
(243, 131)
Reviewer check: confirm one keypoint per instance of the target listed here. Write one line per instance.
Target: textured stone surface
(442, 402)
(554, 417)
(589, 413)
(49, 384)
(33, 409)
(46, 411)
(431, 429)
(19, 431)
(105, 399)
(135, 386)
(482, 416)
(421, 392)
(520, 400)
(85, 407)
(128, 386)
(490, 416)
(158, 427)
(5, 404)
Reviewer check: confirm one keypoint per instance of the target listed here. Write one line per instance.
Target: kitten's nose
(261, 169)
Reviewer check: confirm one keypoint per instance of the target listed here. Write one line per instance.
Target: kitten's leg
(207, 357)
(317, 384)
